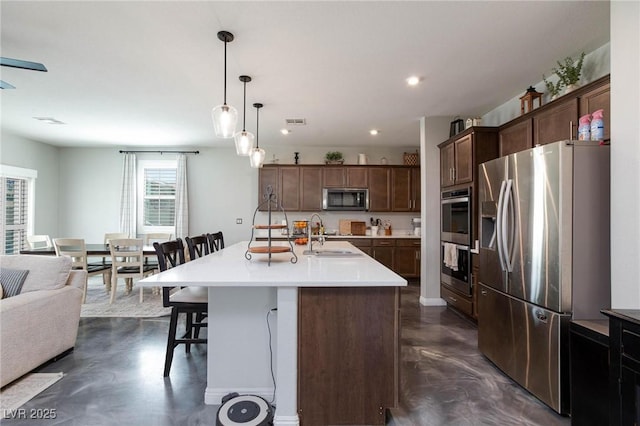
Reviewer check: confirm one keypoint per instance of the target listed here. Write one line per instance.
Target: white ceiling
(147, 74)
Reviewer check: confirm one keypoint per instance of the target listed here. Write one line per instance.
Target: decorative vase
(571, 88)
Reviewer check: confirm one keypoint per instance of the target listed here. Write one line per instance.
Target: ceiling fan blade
(18, 63)
(5, 85)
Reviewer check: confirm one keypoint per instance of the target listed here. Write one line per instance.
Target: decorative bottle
(597, 126)
(584, 128)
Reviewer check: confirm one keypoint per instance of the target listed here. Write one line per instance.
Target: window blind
(14, 196)
(159, 207)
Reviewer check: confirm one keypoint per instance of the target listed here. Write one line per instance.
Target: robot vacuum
(244, 410)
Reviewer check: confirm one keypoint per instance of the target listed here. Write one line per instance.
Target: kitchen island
(334, 323)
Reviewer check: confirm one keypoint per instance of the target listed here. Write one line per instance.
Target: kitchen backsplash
(400, 222)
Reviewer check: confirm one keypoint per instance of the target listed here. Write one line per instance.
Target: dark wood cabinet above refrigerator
(557, 120)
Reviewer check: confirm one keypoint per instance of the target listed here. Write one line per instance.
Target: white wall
(433, 131)
(222, 188)
(625, 155)
(19, 152)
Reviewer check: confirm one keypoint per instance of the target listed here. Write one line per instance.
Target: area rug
(18, 393)
(125, 305)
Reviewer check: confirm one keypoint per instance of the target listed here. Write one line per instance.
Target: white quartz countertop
(229, 267)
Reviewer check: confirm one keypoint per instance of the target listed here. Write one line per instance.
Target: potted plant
(553, 88)
(569, 72)
(333, 157)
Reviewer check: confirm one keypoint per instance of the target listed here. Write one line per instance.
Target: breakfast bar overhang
(338, 316)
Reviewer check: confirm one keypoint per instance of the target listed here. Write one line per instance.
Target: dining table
(94, 250)
(256, 332)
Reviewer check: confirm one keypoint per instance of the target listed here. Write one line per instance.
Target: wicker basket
(411, 158)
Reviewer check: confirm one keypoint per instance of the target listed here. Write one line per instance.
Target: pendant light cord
(225, 71)
(257, 128)
(244, 106)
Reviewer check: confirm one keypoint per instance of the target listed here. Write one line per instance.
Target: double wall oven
(455, 236)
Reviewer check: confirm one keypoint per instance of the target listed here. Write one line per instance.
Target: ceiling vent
(296, 121)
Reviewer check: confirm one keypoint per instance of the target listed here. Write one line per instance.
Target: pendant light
(244, 139)
(256, 158)
(225, 117)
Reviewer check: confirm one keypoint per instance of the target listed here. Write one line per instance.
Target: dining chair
(216, 241)
(151, 238)
(198, 246)
(108, 236)
(76, 249)
(192, 301)
(39, 241)
(127, 261)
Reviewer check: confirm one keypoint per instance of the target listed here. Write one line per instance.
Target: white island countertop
(229, 267)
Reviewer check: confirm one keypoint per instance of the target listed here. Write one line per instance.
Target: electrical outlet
(239, 221)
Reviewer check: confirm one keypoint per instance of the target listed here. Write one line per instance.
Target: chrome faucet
(310, 236)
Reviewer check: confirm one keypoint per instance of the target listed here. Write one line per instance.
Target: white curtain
(182, 203)
(128, 217)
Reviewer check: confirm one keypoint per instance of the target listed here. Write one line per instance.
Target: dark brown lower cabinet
(624, 366)
(589, 347)
(348, 355)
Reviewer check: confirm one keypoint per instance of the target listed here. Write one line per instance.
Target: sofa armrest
(77, 279)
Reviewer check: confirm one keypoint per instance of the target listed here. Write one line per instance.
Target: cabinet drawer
(409, 242)
(461, 303)
(379, 242)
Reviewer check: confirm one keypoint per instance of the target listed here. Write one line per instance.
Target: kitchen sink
(331, 253)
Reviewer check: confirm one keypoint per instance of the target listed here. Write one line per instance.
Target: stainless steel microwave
(355, 199)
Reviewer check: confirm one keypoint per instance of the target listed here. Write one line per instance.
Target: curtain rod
(159, 152)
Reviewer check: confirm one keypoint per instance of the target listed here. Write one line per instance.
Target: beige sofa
(41, 322)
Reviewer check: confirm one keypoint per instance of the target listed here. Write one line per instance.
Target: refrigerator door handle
(499, 224)
(508, 249)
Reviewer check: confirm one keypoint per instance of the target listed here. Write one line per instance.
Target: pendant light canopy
(225, 117)
(244, 139)
(256, 158)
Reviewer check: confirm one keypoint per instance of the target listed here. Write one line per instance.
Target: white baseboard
(432, 301)
(213, 396)
(286, 420)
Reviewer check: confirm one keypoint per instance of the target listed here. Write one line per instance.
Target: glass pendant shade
(244, 143)
(256, 158)
(225, 118)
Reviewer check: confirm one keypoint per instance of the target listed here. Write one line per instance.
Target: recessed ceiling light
(285, 131)
(374, 132)
(413, 80)
(49, 120)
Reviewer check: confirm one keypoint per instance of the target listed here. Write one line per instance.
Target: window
(16, 207)
(156, 196)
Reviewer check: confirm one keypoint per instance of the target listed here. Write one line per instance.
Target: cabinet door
(447, 156)
(416, 188)
(406, 259)
(598, 98)
(289, 188)
(267, 176)
(401, 195)
(516, 138)
(311, 188)
(357, 177)
(383, 250)
(463, 160)
(556, 124)
(334, 177)
(379, 189)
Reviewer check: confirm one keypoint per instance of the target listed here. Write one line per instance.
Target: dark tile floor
(114, 376)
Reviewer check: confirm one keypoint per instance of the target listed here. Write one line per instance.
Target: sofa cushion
(45, 272)
(12, 280)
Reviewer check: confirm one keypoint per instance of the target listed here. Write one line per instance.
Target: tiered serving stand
(271, 202)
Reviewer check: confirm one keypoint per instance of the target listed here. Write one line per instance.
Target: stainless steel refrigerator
(544, 259)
